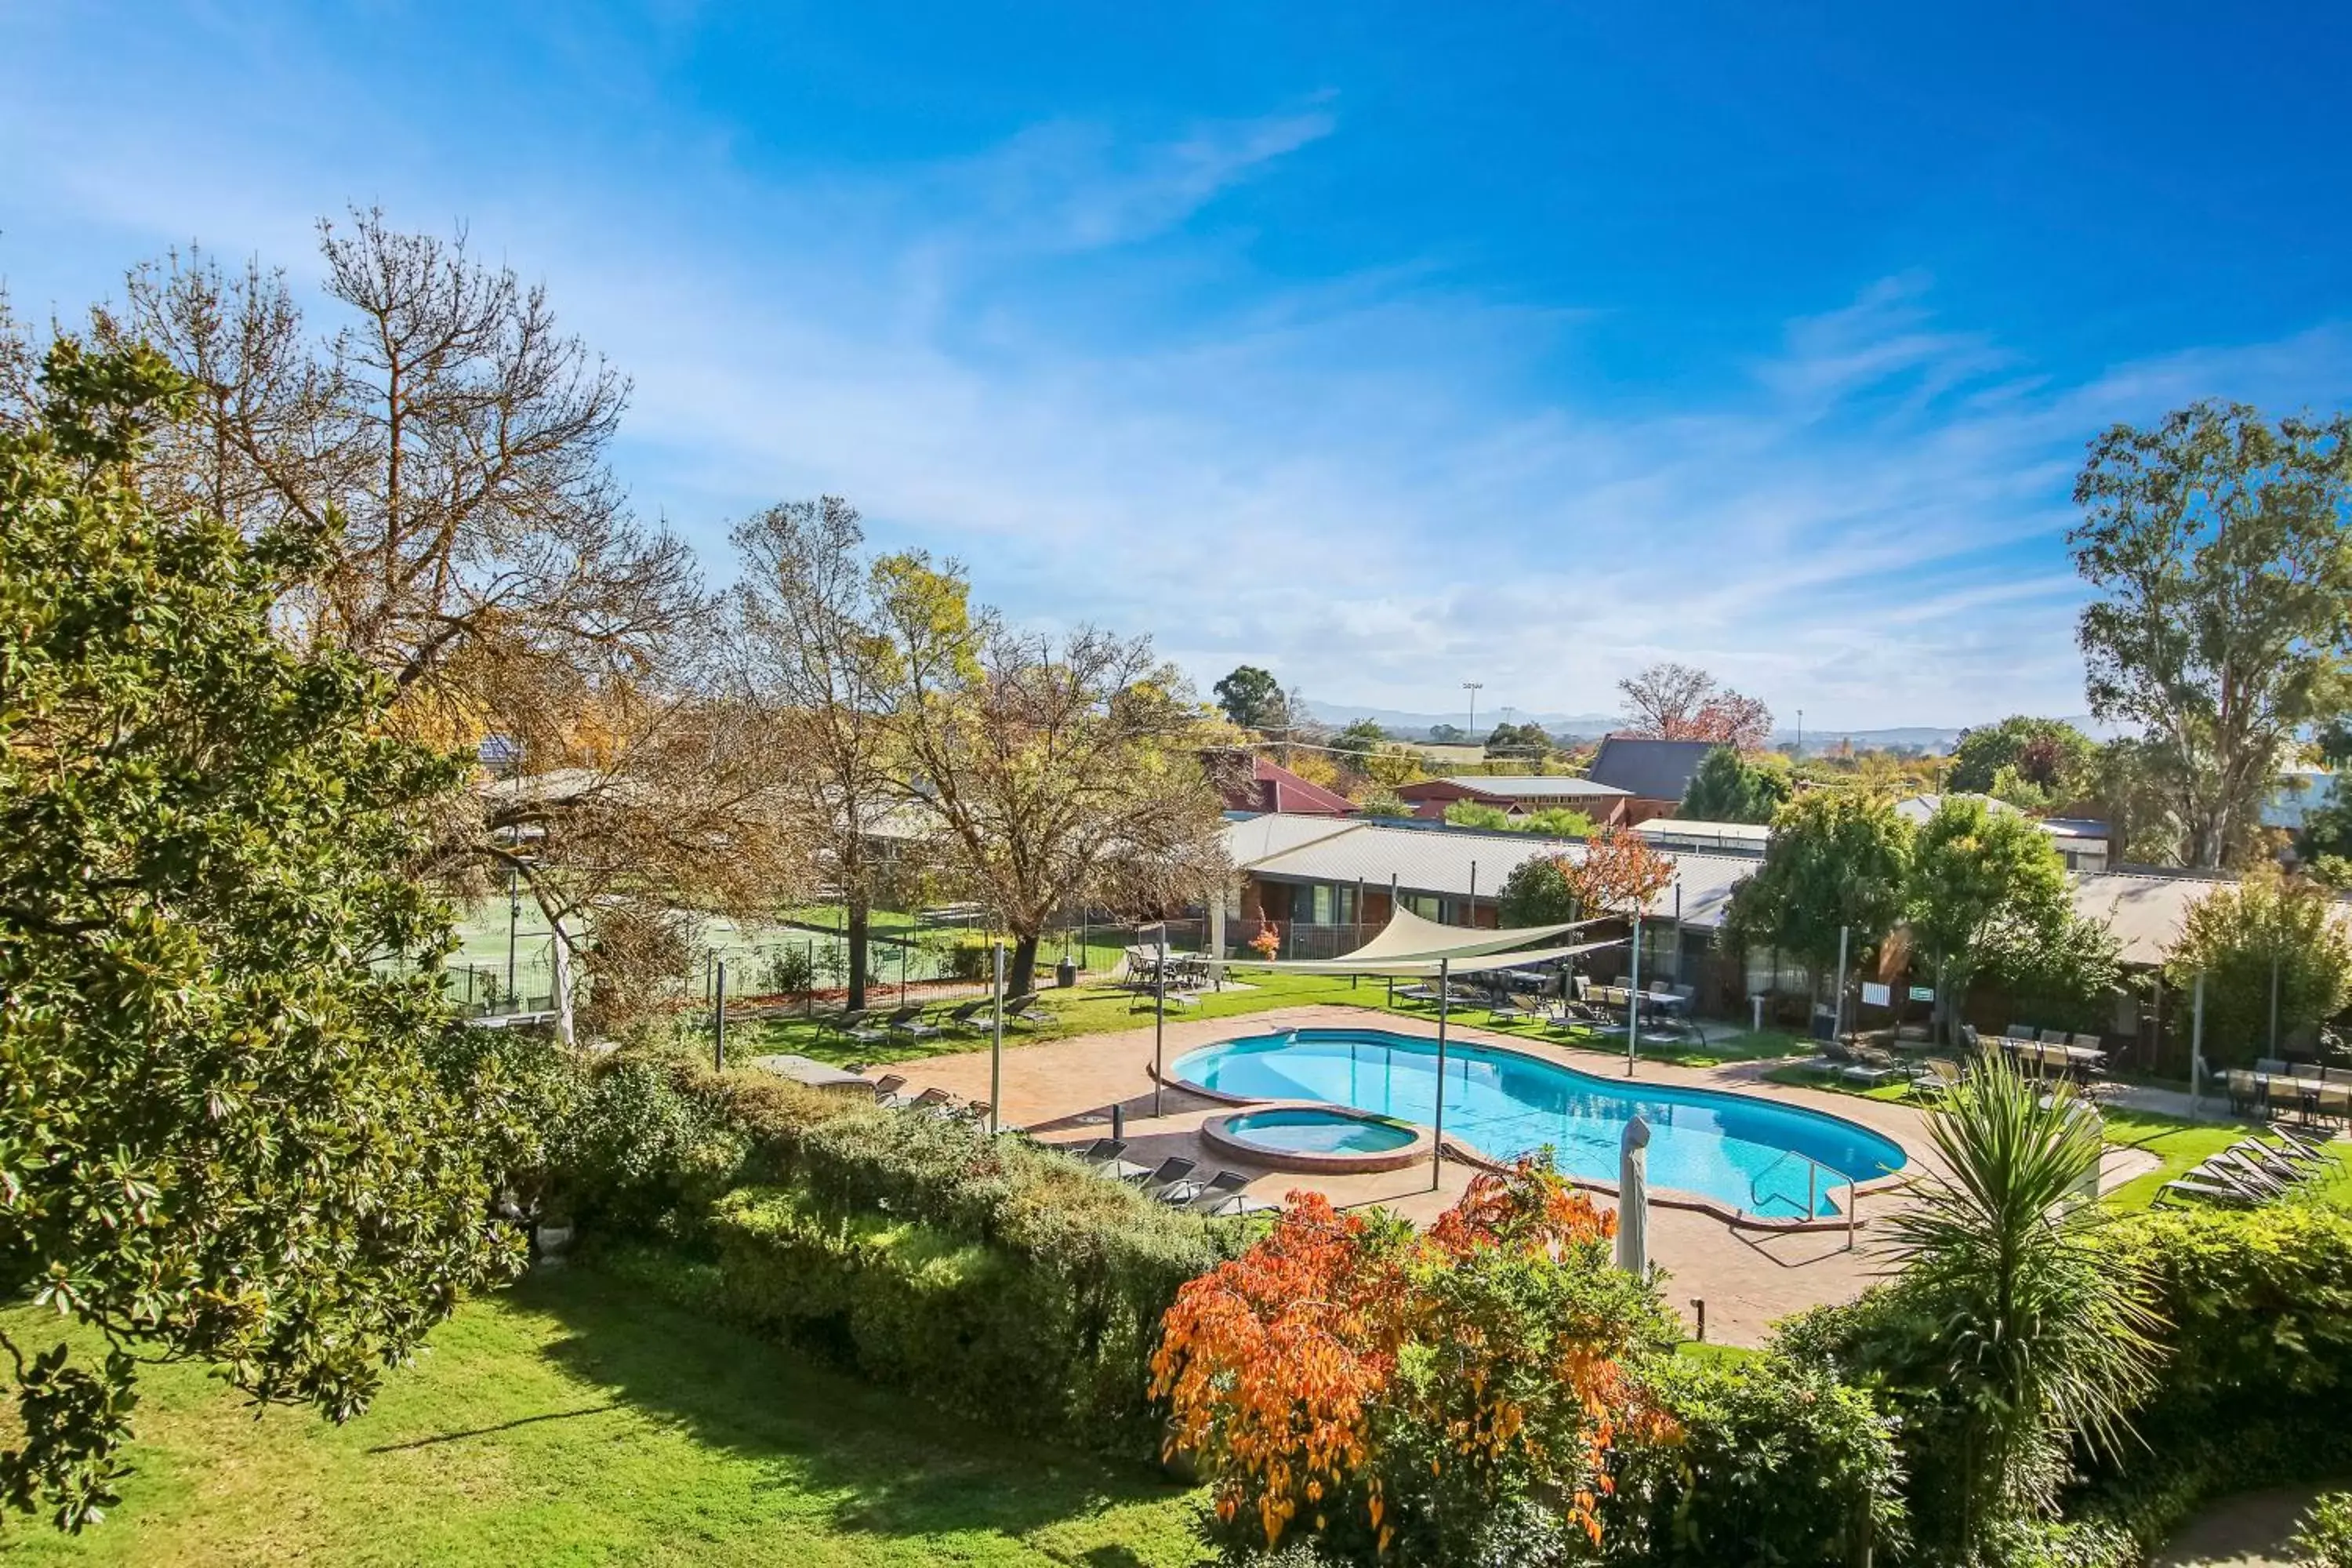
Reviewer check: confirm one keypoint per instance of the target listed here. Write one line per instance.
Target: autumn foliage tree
(1673, 702)
(1415, 1397)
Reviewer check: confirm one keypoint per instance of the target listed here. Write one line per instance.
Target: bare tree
(1678, 702)
(812, 637)
(1062, 772)
(446, 443)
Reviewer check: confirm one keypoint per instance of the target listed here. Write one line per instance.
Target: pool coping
(1291, 1162)
(1665, 1198)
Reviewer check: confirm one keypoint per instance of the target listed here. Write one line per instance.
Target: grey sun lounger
(2204, 1192)
(853, 1025)
(1166, 1174)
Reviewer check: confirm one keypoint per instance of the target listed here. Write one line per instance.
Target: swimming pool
(1739, 1151)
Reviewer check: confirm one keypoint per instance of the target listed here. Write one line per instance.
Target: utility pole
(1801, 732)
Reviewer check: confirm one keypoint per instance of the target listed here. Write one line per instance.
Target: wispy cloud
(1046, 358)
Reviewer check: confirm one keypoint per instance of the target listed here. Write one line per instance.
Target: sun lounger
(1223, 1188)
(2316, 1148)
(2231, 1164)
(2268, 1160)
(909, 1022)
(886, 1087)
(853, 1026)
(930, 1100)
(1023, 1009)
(1167, 1173)
(1193, 1190)
(2203, 1192)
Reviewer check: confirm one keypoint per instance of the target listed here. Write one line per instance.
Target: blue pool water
(1734, 1148)
(1319, 1131)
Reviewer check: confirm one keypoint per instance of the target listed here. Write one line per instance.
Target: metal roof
(1424, 862)
(1526, 786)
(1650, 769)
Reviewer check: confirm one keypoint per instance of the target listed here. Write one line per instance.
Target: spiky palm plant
(2039, 1337)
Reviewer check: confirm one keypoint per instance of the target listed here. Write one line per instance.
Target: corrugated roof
(1432, 861)
(1528, 786)
(1652, 770)
(1254, 838)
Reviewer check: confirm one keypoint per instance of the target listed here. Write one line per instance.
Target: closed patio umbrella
(1633, 1199)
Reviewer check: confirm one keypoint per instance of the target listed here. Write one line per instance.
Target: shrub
(632, 1152)
(1774, 1463)
(789, 971)
(2324, 1538)
(1441, 1397)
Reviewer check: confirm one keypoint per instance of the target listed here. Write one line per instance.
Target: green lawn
(1098, 1009)
(568, 1422)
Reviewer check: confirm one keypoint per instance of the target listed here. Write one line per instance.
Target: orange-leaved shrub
(1412, 1397)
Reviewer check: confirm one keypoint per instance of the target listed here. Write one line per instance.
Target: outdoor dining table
(2310, 1096)
(2075, 1057)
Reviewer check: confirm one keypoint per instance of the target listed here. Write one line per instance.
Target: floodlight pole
(1437, 1138)
(1633, 997)
(996, 1041)
(719, 1034)
(2197, 1050)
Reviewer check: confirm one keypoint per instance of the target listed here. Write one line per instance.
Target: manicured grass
(570, 1422)
(1896, 1091)
(2183, 1145)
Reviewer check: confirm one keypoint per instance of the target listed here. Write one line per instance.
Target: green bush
(2324, 1538)
(991, 1275)
(1775, 1463)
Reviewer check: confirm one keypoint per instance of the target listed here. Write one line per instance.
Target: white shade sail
(1410, 947)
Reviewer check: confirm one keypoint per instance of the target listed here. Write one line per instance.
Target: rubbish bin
(1065, 973)
(1824, 1021)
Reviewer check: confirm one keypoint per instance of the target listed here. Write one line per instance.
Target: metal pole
(1437, 1139)
(1633, 997)
(2274, 983)
(1474, 895)
(1837, 1018)
(719, 1035)
(1158, 1015)
(996, 1044)
(2197, 1049)
(514, 916)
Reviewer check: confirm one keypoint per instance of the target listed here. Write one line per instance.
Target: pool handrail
(1813, 1169)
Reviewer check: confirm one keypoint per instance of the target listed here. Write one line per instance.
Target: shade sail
(1408, 935)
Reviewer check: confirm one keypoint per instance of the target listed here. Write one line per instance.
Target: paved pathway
(2250, 1531)
(1064, 1089)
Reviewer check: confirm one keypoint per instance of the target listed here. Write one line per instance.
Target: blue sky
(1392, 346)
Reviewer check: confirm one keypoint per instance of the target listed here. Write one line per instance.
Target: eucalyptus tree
(2215, 541)
(237, 1120)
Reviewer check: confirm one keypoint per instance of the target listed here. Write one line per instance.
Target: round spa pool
(1328, 1138)
(1741, 1152)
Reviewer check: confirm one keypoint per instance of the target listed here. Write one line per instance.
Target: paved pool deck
(1063, 1091)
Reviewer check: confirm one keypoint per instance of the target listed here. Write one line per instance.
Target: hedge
(992, 1276)
(1774, 1464)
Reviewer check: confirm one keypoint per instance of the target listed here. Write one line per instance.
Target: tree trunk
(860, 922)
(1021, 973)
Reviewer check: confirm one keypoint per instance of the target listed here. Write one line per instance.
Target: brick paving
(1063, 1090)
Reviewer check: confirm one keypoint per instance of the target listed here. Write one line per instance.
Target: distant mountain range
(1410, 726)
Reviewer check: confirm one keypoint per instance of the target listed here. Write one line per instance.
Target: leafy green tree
(1837, 860)
(1556, 821)
(1475, 814)
(2049, 754)
(1251, 697)
(1519, 741)
(1382, 800)
(1727, 787)
(1447, 734)
(1358, 740)
(2011, 1333)
(2216, 543)
(2236, 935)
(1539, 892)
(238, 1121)
(1984, 886)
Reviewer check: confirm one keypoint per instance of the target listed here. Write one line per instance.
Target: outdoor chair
(2317, 1149)
(2274, 1067)
(886, 1087)
(976, 1111)
(851, 1025)
(2269, 1160)
(2017, 1032)
(1024, 1008)
(1184, 1193)
(2087, 1043)
(2053, 1037)
(1218, 1191)
(2189, 1186)
(908, 1021)
(2230, 1163)
(1097, 1154)
(1939, 1076)
(1167, 1173)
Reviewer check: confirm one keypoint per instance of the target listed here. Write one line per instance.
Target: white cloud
(1041, 357)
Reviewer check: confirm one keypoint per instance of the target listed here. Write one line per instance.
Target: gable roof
(1272, 788)
(1652, 770)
